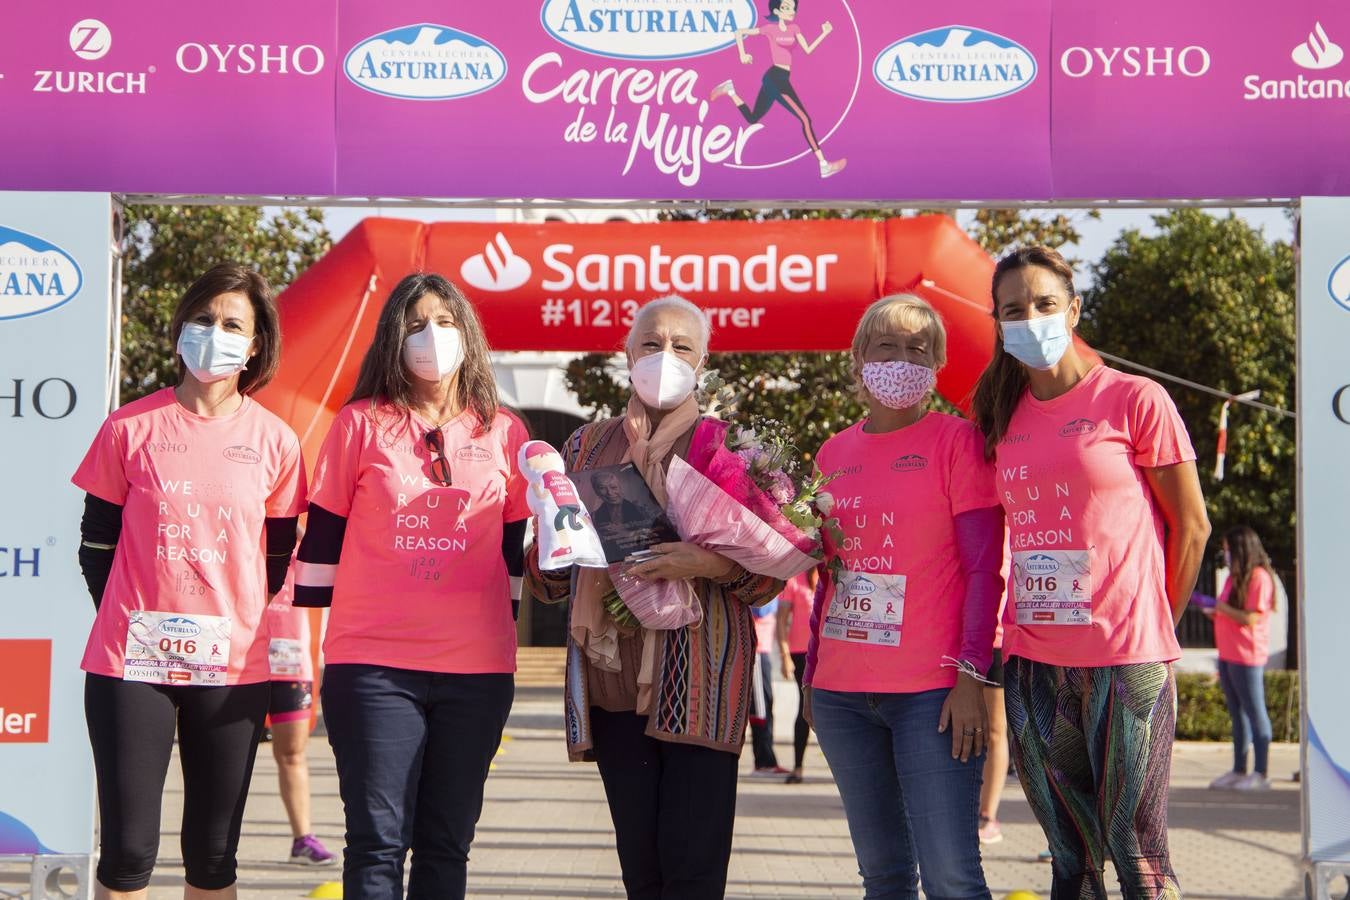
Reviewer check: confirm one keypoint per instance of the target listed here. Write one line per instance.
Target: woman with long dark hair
(416, 526)
(190, 515)
(1107, 527)
(1242, 634)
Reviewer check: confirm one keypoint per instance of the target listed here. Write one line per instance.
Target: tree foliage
(1211, 299)
(166, 248)
(811, 394)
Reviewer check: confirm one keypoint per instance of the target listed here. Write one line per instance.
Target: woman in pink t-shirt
(783, 34)
(192, 498)
(415, 537)
(794, 635)
(1242, 634)
(1107, 527)
(902, 633)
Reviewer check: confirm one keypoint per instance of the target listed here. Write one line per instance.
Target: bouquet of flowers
(739, 493)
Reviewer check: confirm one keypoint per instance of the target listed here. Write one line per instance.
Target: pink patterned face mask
(898, 384)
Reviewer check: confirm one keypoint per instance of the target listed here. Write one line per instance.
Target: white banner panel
(54, 333)
(1324, 521)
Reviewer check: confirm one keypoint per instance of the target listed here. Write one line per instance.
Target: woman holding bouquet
(663, 713)
(905, 625)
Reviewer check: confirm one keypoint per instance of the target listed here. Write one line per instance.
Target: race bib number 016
(867, 608)
(1053, 587)
(285, 656)
(176, 648)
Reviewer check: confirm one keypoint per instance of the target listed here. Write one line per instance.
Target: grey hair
(677, 302)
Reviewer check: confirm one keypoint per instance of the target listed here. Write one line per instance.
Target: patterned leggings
(1093, 748)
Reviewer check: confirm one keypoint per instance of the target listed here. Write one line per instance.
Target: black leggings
(131, 730)
(777, 88)
(800, 729)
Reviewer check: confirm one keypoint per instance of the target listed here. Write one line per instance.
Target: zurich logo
(497, 268)
(955, 64)
(652, 29)
(35, 276)
(1338, 285)
(425, 62)
(179, 626)
(1040, 564)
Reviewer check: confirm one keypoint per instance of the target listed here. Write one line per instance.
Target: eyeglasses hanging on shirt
(440, 466)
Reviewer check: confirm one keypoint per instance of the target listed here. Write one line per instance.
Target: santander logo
(497, 268)
(1318, 51)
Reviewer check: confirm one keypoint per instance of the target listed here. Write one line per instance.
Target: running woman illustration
(783, 32)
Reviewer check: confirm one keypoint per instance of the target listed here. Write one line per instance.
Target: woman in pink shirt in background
(794, 637)
(416, 528)
(1107, 527)
(1242, 634)
(192, 498)
(903, 631)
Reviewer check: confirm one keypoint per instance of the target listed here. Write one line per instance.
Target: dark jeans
(801, 729)
(412, 750)
(1244, 687)
(673, 806)
(912, 810)
(761, 736)
(131, 730)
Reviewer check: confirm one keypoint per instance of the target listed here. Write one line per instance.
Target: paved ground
(545, 830)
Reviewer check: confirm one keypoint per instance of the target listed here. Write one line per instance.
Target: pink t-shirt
(421, 583)
(766, 632)
(1087, 538)
(797, 596)
(896, 610)
(782, 38)
(288, 636)
(194, 491)
(1247, 645)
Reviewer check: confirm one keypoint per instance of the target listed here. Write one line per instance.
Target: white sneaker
(832, 168)
(1253, 782)
(725, 87)
(1226, 781)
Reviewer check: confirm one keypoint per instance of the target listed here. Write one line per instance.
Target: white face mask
(212, 354)
(898, 384)
(1037, 343)
(434, 352)
(662, 380)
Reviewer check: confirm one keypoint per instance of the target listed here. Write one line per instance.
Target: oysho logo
(1338, 283)
(473, 453)
(1077, 427)
(250, 59)
(955, 64)
(1041, 564)
(649, 29)
(90, 39)
(425, 62)
(497, 268)
(1318, 51)
(861, 586)
(1135, 62)
(911, 462)
(242, 454)
(180, 627)
(35, 276)
(164, 447)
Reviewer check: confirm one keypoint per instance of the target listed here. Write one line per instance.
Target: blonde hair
(672, 301)
(902, 311)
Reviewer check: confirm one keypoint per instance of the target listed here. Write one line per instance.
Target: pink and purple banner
(838, 100)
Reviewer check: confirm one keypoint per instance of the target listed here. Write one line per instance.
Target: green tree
(810, 393)
(165, 248)
(1211, 299)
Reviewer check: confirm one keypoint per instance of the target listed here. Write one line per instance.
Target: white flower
(746, 438)
(825, 502)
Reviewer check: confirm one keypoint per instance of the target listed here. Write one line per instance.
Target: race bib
(285, 656)
(1052, 587)
(866, 609)
(177, 648)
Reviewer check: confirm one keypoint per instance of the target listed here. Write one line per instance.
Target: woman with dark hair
(783, 34)
(415, 537)
(661, 712)
(1107, 527)
(1242, 634)
(189, 519)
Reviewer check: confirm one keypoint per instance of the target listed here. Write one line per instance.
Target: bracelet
(92, 546)
(966, 667)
